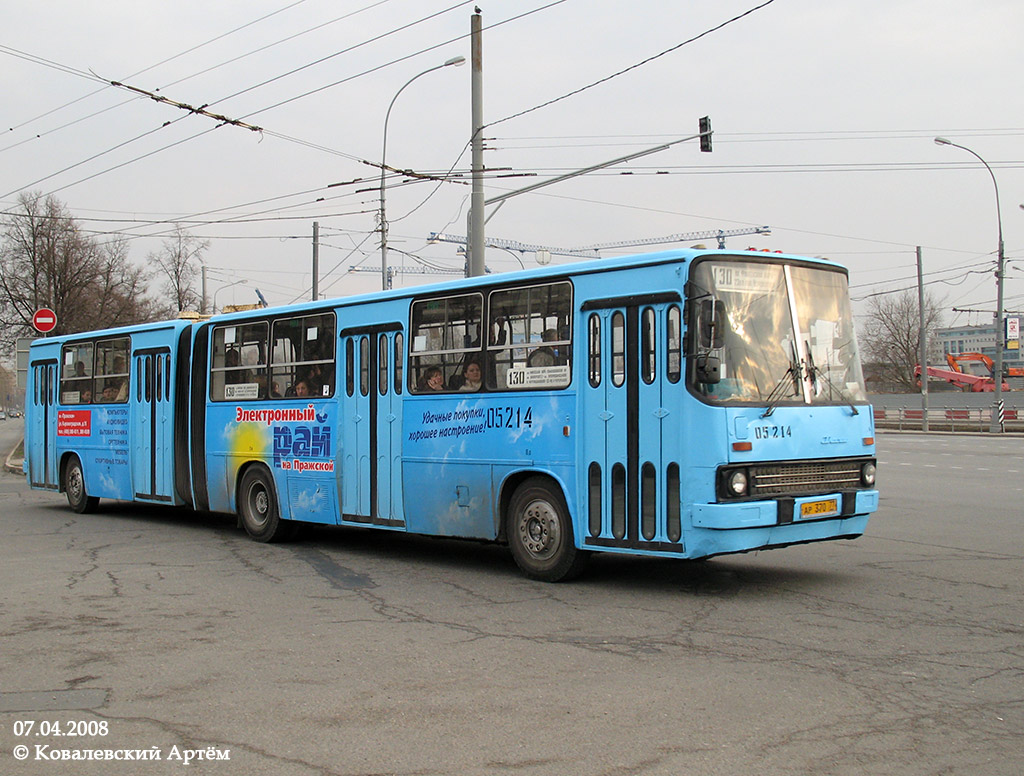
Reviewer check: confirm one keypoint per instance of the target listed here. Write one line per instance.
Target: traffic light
(705, 134)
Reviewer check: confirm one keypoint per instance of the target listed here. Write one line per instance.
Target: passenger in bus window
(121, 383)
(544, 356)
(110, 392)
(499, 334)
(314, 379)
(302, 389)
(85, 397)
(471, 376)
(432, 380)
(234, 374)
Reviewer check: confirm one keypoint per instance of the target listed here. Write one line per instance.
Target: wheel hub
(75, 485)
(538, 529)
(259, 505)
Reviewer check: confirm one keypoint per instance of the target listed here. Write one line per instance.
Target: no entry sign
(44, 320)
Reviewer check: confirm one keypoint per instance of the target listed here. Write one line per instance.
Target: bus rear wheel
(257, 507)
(74, 487)
(540, 533)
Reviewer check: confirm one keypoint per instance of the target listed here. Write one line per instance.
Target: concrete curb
(12, 464)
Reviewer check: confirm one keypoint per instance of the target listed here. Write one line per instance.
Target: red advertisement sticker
(74, 423)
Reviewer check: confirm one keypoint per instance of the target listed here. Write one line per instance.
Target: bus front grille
(793, 479)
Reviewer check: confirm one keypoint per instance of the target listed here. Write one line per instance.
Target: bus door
(390, 352)
(371, 425)
(632, 422)
(42, 452)
(152, 425)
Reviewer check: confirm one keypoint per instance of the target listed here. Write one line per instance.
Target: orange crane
(990, 367)
(967, 380)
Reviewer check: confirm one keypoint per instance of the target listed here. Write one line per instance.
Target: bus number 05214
(509, 417)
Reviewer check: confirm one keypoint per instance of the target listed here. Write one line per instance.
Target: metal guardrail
(942, 419)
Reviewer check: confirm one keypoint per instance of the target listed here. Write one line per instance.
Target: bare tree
(47, 261)
(179, 261)
(118, 291)
(890, 340)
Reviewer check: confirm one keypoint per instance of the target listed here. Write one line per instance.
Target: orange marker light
(742, 447)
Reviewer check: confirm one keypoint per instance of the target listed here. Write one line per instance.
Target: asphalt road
(352, 652)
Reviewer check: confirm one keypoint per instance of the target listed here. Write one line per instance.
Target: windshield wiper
(815, 373)
(777, 394)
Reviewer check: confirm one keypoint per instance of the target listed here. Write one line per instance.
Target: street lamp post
(1000, 260)
(384, 277)
(235, 283)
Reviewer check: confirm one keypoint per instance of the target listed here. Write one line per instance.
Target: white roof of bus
(559, 270)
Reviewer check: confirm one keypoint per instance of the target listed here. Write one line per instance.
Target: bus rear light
(868, 441)
(742, 447)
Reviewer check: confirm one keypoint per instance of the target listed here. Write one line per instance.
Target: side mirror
(712, 323)
(707, 370)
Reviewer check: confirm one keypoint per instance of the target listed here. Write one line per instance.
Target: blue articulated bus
(678, 404)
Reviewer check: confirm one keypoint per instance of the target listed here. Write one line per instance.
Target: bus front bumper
(784, 511)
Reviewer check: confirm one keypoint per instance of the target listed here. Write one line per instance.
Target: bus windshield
(772, 332)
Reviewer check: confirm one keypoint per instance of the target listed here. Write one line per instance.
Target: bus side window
(111, 372)
(648, 346)
(302, 357)
(76, 374)
(674, 344)
(364, 366)
(350, 367)
(399, 355)
(594, 350)
(238, 368)
(530, 337)
(382, 364)
(445, 338)
(618, 349)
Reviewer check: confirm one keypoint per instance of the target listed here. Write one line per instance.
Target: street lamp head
(457, 61)
(943, 141)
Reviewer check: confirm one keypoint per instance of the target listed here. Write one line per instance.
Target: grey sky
(824, 114)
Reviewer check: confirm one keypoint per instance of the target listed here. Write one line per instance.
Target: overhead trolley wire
(65, 68)
(393, 61)
(188, 77)
(171, 145)
(634, 66)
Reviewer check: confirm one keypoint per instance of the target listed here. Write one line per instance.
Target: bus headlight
(867, 474)
(736, 482)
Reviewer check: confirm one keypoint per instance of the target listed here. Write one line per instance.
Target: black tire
(540, 535)
(74, 488)
(257, 507)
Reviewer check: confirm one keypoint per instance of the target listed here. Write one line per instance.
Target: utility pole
(923, 337)
(475, 259)
(316, 260)
(202, 302)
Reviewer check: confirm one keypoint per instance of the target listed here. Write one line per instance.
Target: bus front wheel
(74, 488)
(540, 533)
(257, 507)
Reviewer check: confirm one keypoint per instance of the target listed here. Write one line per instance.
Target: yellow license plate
(829, 506)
